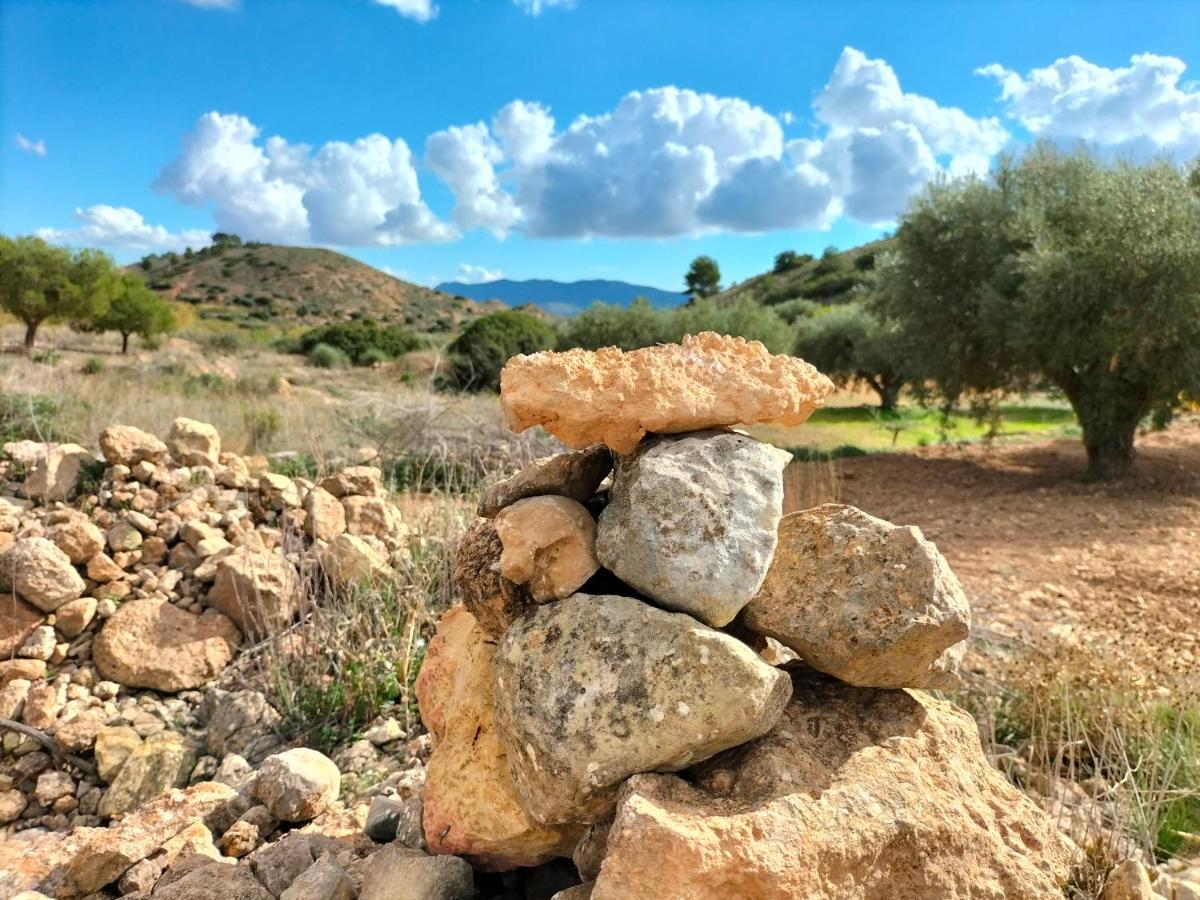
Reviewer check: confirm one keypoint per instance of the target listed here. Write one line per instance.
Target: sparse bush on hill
(790, 259)
(363, 342)
(1061, 267)
(325, 356)
(480, 352)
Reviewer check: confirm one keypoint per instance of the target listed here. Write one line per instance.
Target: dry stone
(41, 573)
(160, 762)
(194, 443)
(1128, 880)
(397, 873)
(297, 785)
(492, 599)
(593, 689)
(471, 806)
(153, 644)
(56, 476)
(617, 397)
(549, 544)
(856, 793)
(124, 445)
(691, 522)
(871, 603)
(350, 560)
(77, 537)
(259, 591)
(324, 516)
(576, 474)
(18, 620)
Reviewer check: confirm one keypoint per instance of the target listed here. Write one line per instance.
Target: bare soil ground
(1048, 560)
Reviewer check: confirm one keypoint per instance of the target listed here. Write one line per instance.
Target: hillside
(563, 298)
(828, 279)
(256, 284)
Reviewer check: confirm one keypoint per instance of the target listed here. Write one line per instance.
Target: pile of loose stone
(654, 672)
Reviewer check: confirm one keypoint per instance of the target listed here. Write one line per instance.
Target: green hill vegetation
(254, 284)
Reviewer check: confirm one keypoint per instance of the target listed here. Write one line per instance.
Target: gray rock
(218, 881)
(279, 864)
(323, 880)
(594, 689)
(871, 603)
(240, 722)
(576, 474)
(298, 784)
(397, 873)
(691, 521)
(392, 819)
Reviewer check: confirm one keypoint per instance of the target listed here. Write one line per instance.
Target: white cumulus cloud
(36, 148)
(537, 7)
(1144, 107)
(122, 228)
(347, 194)
(465, 158)
(418, 10)
(472, 274)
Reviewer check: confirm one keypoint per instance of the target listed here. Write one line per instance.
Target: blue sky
(444, 139)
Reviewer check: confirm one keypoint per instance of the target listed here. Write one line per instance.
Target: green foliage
(326, 356)
(603, 325)
(830, 262)
(1060, 266)
(227, 342)
(486, 344)
(788, 260)
(30, 417)
(426, 472)
(93, 365)
(362, 342)
(332, 713)
(263, 425)
(703, 278)
(49, 358)
(295, 465)
(851, 343)
(133, 309)
(42, 283)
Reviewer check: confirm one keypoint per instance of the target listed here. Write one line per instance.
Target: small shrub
(373, 356)
(295, 465)
(46, 357)
(480, 352)
(93, 365)
(228, 342)
(30, 417)
(326, 356)
(355, 340)
(263, 426)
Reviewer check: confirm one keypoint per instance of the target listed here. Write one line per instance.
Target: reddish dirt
(1047, 559)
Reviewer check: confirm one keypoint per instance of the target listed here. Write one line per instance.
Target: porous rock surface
(593, 689)
(575, 474)
(549, 544)
(152, 644)
(471, 806)
(691, 521)
(41, 573)
(259, 591)
(856, 793)
(492, 599)
(617, 397)
(872, 603)
(298, 784)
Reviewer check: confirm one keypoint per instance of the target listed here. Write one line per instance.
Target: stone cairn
(656, 673)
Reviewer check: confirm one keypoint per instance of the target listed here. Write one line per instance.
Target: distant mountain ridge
(563, 298)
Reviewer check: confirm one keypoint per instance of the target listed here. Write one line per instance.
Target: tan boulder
(278, 491)
(1128, 880)
(576, 474)
(471, 807)
(298, 784)
(871, 603)
(259, 590)
(101, 568)
(160, 762)
(152, 644)
(492, 599)
(77, 733)
(350, 560)
(617, 397)
(114, 745)
(16, 669)
(77, 537)
(74, 616)
(18, 620)
(374, 515)
(41, 573)
(325, 518)
(109, 853)
(56, 476)
(857, 793)
(194, 443)
(354, 481)
(549, 544)
(124, 445)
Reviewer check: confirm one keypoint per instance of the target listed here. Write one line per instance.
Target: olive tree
(43, 283)
(1059, 267)
(703, 277)
(134, 309)
(851, 343)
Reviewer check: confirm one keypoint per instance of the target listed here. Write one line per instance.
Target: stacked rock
(614, 602)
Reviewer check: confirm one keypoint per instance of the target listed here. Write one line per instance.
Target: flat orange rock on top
(617, 397)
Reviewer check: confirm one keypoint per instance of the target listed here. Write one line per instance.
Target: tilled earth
(1047, 559)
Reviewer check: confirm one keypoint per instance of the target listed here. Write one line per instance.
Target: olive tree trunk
(31, 330)
(1109, 410)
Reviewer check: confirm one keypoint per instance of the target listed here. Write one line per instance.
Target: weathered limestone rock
(691, 522)
(856, 793)
(593, 689)
(324, 516)
(160, 762)
(491, 598)
(582, 396)
(259, 590)
(549, 544)
(352, 481)
(471, 807)
(871, 603)
(41, 573)
(239, 722)
(114, 849)
(152, 644)
(298, 784)
(17, 621)
(77, 537)
(124, 445)
(56, 476)
(75, 615)
(279, 864)
(114, 745)
(576, 474)
(349, 560)
(194, 443)
(323, 880)
(77, 733)
(397, 873)
(1128, 880)
(213, 880)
